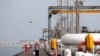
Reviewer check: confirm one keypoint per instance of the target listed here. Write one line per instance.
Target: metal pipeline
(83, 43)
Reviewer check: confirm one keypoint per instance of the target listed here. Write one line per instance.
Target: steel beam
(82, 9)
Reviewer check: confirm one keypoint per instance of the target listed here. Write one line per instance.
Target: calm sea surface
(9, 50)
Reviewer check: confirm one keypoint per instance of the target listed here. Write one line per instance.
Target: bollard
(78, 53)
(67, 52)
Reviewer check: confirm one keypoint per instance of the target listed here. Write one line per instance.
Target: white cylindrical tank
(78, 53)
(67, 52)
(74, 39)
(87, 54)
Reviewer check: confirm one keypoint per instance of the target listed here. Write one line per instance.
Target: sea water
(9, 50)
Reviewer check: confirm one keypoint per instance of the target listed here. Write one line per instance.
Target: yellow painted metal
(89, 42)
(88, 11)
(53, 43)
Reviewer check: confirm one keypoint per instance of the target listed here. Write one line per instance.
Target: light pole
(77, 16)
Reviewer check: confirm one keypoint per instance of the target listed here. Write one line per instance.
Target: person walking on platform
(37, 49)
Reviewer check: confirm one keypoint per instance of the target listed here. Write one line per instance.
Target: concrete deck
(42, 52)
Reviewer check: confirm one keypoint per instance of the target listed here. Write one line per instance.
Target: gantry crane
(53, 10)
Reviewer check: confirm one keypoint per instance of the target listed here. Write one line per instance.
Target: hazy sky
(15, 16)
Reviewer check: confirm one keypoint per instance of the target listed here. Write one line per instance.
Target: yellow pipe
(73, 11)
(53, 43)
(89, 42)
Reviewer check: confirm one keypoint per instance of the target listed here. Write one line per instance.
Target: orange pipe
(80, 46)
(96, 42)
(83, 43)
